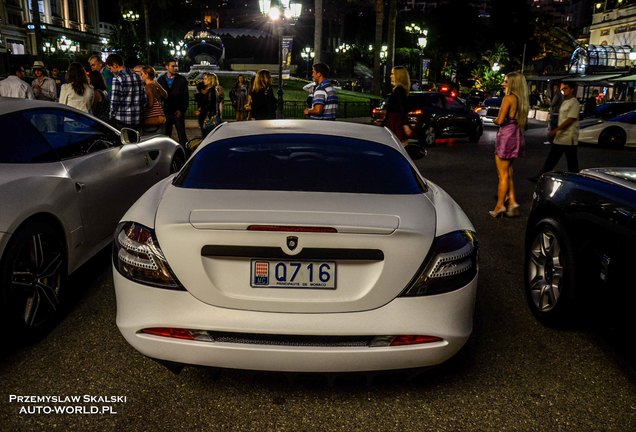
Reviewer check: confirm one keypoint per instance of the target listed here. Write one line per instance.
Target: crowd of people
(136, 98)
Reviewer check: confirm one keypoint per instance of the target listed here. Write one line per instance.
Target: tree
(318, 31)
(376, 87)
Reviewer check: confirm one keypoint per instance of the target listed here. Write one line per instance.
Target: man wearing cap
(15, 86)
(44, 87)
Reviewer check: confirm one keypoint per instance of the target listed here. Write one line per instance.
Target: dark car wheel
(550, 273)
(178, 160)
(33, 273)
(612, 137)
(475, 134)
(427, 136)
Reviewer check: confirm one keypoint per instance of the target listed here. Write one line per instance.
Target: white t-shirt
(569, 109)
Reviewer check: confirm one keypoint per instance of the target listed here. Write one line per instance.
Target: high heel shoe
(513, 211)
(497, 213)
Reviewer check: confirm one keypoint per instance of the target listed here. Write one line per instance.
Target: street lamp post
(307, 54)
(288, 12)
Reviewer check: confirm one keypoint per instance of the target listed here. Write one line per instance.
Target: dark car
(612, 109)
(579, 248)
(435, 115)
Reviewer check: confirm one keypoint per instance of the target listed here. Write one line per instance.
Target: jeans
(179, 124)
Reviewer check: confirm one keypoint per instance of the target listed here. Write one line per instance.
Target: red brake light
(444, 89)
(175, 333)
(413, 340)
(291, 228)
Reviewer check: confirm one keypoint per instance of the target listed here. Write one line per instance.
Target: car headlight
(138, 257)
(451, 264)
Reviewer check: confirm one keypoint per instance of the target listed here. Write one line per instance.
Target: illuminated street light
(307, 54)
(290, 13)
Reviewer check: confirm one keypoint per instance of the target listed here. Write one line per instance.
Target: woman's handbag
(154, 116)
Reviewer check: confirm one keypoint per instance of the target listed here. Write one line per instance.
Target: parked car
(66, 178)
(489, 110)
(612, 109)
(615, 132)
(284, 245)
(580, 243)
(435, 115)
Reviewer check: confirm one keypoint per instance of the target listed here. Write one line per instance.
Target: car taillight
(138, 257)
(444, 89)
(416, 112)
(451, 264)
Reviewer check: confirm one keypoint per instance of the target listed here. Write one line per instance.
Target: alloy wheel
(545, 271)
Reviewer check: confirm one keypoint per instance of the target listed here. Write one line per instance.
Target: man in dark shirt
(176, 105)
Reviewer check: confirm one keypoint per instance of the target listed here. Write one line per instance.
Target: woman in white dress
(77, 92)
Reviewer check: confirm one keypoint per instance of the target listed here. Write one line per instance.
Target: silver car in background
(66, 178)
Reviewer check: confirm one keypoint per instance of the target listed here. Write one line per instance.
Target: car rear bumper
(448, 316)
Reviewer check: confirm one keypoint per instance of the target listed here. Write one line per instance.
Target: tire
(178, 160)
(33, 275)
(549, 279)
(427, 136)
(476, 133)
(614, 137)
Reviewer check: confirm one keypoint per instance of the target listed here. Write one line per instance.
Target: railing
(294, 109)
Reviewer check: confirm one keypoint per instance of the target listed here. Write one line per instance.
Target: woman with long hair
(512, 119)
(262, 100)
(153, 115)
(101, 104)
(396, 107)
(77, 92)
(238, 96)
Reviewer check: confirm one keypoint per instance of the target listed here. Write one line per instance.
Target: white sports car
(66, 178)
(615, 132)
(296, 245)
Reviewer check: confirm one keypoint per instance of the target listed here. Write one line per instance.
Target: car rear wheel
(33, 273)
(427, 136)
(612, 137)
(550, 273)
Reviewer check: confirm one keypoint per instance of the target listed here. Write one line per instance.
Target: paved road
(516, 375)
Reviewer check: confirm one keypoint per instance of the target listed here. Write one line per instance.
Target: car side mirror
(129, 136)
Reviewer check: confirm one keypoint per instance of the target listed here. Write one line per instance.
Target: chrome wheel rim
(545, 271)
(36, 279)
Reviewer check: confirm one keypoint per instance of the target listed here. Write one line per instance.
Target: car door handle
(79, 186)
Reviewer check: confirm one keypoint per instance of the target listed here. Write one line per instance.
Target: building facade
(60, 26)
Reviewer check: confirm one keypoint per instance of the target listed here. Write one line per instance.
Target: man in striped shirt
(325, 100)
(128, 96)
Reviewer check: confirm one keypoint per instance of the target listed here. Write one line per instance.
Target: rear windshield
(300, 162)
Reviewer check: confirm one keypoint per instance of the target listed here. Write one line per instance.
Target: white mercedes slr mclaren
(296, 245)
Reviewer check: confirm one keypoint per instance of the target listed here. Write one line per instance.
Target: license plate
(293, 274)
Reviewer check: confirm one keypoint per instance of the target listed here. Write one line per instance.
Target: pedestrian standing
(509, 144)
(128, 96)
(238, 97)
(77, 92)
(96, 64)
(396, 107)
(101, 103)
(176, 104)
(43, 87)
(325, 99)
(262, 102)
(14, 85)
(555, 105)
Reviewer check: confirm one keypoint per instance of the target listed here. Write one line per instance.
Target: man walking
(44, 88)
(128, 96)
(14, 85)
(324, 103)
(566, 134)
(176, 104)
